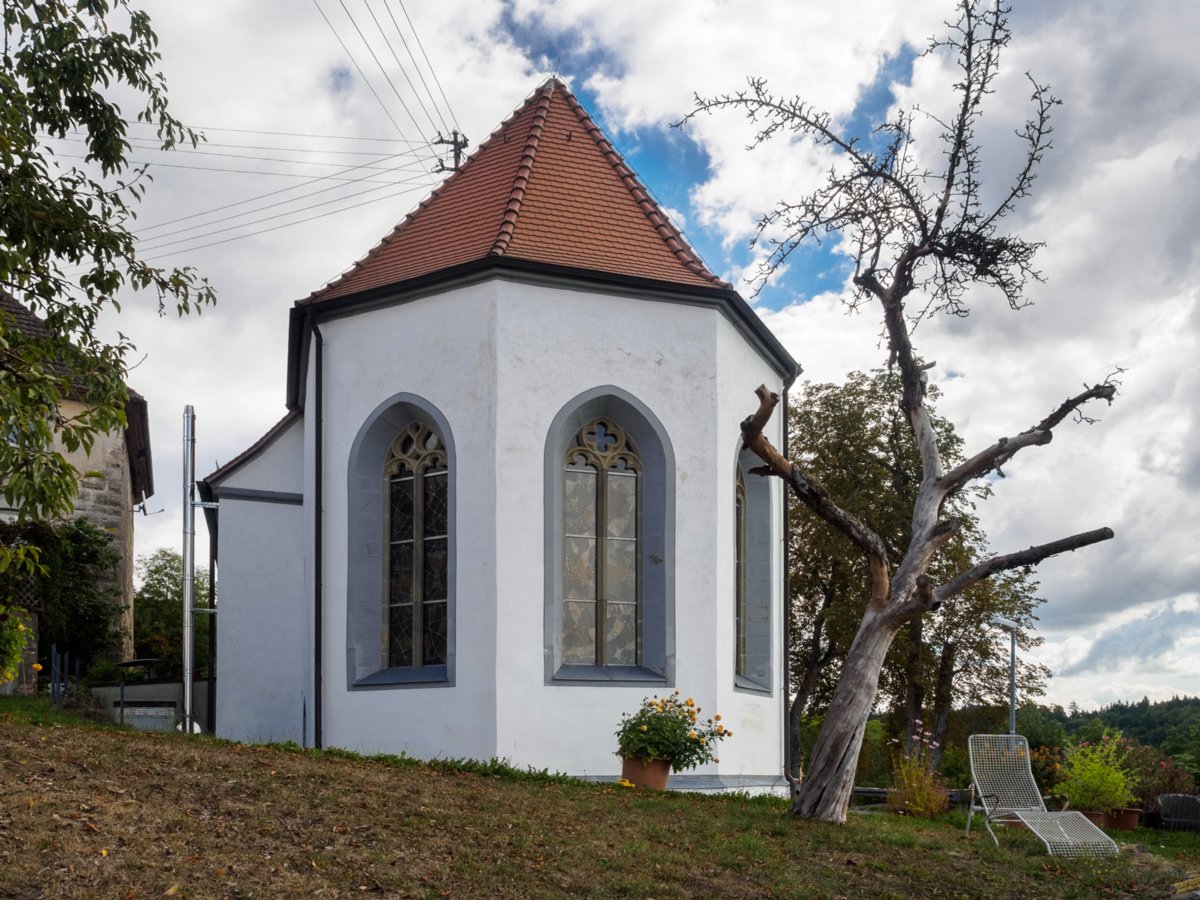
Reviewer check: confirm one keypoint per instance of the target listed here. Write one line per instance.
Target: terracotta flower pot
(1122, 819)
(1095, 816)
(653, 774)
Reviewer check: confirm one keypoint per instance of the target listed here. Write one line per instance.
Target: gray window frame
(753, 610)
(656, 543)
(367, 547)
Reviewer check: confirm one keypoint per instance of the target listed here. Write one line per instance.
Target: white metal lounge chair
(1003, 790)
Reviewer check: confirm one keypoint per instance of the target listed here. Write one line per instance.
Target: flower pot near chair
(1122, 819)
(652, 774)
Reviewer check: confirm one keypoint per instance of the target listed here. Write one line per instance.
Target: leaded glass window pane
(620, 634)
(416, 619)
(601, 523)
(621, 571)
(434, 496)
(435, 585)
(579, 502)
(579, 569)
(434, 633)
(621, 504)
(401, 519)
(400, 633)
(579, 633)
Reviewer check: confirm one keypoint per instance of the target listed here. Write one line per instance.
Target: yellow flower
(717, 717)
(689, 702)
(20, 626)
(645, 728)
(37, 667)
(720, 729)
(691, 735)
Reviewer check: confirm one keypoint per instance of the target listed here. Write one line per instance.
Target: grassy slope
(98, 812)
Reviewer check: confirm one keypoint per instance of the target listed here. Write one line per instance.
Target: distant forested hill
(1171, 725)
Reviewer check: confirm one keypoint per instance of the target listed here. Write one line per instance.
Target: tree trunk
(828, 785)
(914, 700)
(795, 758)
(943, 698)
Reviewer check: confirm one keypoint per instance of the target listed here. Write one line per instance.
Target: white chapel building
(508, 500)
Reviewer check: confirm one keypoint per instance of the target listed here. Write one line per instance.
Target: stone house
(123, 479)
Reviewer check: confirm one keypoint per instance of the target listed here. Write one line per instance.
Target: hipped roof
(545, 187)
(545, 196)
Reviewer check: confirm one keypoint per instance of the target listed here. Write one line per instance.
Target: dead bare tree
(922, 238)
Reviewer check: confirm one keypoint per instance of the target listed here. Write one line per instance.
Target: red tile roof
(545, 187)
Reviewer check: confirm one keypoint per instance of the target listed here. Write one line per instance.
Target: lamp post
(1011, 627)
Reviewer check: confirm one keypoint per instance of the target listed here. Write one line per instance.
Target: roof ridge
(521, 180)
(670, 235)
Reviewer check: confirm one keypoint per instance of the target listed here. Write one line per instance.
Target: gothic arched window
(601, 596)
(416, 584)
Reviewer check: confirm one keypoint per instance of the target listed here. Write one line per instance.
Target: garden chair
(1003, 790)
(1179, 812)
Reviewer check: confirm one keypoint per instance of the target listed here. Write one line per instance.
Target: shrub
(670, 728)
(919, 789)
(1153, 773)
(1095, 778)
(1047, 765)
(14, 635)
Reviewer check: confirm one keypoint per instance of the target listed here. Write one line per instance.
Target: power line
(282, 190)
(278, 227)
(428, 63)
(151, 144)
(361, 74)
(371, 50)
(166, 165)
(197, 237)
(329, 137)
(416, 66)
(298, 162)
(399, 65)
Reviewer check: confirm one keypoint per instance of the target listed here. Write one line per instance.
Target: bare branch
(808, 490)
(1029, 557)
(1006, 448)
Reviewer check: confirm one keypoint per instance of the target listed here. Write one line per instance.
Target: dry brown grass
(88, 812)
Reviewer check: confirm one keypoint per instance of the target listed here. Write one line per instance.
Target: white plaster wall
(280, 467)
(263, 610)
(441, 348)
(498, 361)
(554, 344)
(756, 719)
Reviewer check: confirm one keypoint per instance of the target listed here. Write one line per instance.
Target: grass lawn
(89, 811)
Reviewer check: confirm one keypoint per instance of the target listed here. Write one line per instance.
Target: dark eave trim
(137, 448)
(725, 299)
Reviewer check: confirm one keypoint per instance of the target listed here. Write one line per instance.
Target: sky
(291, 99)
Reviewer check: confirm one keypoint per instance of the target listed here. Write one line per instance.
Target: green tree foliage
(73, 592)
(949, 657)
(158, 614)
(66, 245)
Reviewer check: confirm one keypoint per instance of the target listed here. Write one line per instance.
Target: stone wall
(105, 500)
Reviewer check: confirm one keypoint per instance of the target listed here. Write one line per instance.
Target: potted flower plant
(666, 735)
(1095, 781)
